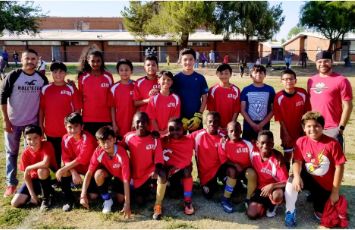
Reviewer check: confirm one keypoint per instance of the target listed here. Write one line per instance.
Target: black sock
(47, 190)
(103, 190)
(68, 194)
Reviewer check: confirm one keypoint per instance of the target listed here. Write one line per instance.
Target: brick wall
(85, 23)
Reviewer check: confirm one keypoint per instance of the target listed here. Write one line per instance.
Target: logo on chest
(116, 165)
(65, 92)
(171, 105)
(241, 150)
(105, 85)
(149, 147)
(232, 96)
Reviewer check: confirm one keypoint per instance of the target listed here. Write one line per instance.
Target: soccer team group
(132, 138)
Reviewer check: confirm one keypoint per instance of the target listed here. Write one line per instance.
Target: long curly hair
(84, 65)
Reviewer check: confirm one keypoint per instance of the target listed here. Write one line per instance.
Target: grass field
(209, 214)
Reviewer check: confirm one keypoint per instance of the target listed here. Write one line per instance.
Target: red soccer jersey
(320, 158)
(236, 152)
(269, 171)
(117, 166)
(142, 88)
(145, 153)
(290, 109)
(161, 108)
(178, 152)
(225, 101)
(121, 98)
(206, 151)
(57, 102)
(94, 91)
(29, 158)
(80, 150)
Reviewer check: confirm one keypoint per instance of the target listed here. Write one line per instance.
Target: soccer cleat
(271, 212)
(290, 219)
(10, 190)
(107, 206)
(189, 209)
(45, 205)
(67, 207)
(157, 212)
(227, 205)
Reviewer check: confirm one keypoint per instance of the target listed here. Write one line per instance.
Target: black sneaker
(67, 207)
(45, 205)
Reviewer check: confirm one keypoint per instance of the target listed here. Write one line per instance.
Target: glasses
(288, 79)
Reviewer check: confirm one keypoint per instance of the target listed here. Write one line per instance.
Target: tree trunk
(184, 40)
(330, 47)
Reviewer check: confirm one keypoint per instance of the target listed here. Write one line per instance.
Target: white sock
(290, 197)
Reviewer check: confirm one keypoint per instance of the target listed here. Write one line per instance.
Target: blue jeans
(12, 145)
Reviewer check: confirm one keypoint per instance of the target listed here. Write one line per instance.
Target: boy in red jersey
(146, 157)
(109, 160)
(164, 105)
(148, 85)
(236, 152)
(36, 161)
(121, 99)
(224, 97)
(58, 100)
(272, 175)
(94, 87)
(289, 106)
(318, 166)
(177, 151)
(77, 149)
(207, 157)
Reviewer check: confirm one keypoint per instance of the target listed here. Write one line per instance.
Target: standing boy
(58, 100)
(318, 166)
(192, 89)
(256, 104)
(289, 106)
(19, 96)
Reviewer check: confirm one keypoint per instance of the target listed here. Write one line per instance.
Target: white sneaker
(271, 213)
(107, 206)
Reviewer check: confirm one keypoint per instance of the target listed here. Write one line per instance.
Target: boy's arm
(266, 120)
(29, 184)
(203, 103)
(138, 103)
(338, 176)
(127, 196)
(113, 118)
(297, 180)
(286, 138)
(235, 116)
(39, 165)
(268, 189)
(244, 113)
(67, 167)
(83, 196)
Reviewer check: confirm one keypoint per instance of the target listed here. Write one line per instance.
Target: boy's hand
(59, 174)
(195, 121)
(153, 92)
(334, 197)
(34, 200)
(77, 178)
(7, 126)
(267, 190)
(297, 183)
(84, 201)
(126, 210)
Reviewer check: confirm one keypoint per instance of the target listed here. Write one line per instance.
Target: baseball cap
(324, 55)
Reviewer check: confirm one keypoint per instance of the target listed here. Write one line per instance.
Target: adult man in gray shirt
(19, 96)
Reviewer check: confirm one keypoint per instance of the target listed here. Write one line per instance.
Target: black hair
(288, 71)
(188, 51)
(58, 65)
(176, 120)
(214, 114)
(259, 68)
(30, 51)
(141, 114)
(223, 67)
(267, 133)
(124, 61)
(30, 129)
(104, 132)
(74, 118)
(234, 123)
(151, 58)
(88, 51)
(166, 73)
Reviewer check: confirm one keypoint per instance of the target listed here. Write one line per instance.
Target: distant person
(5, 56)
(212, 58)
(19, 106)
(197, 61)
(242, 66)
(288, 60)
(15, 57)
(226, 59)
(42, 66)
(168, 59)
(304, 59)
(258, 61)
(331, 95)
(203, 59)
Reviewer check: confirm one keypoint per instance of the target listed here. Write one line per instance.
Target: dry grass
(209, 214)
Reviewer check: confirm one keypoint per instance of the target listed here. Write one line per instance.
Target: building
(64, 38)
(271, 52)
(312, 43)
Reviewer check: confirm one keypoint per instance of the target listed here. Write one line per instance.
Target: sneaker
(290, 219)
(189, 209)
(45, 205)
(107, 206)
(227, 205)
(318, 215)
(271, 212)
(67, 207)
(157, 212)
(10, 190)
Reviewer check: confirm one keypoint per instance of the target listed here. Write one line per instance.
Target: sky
(92, 8)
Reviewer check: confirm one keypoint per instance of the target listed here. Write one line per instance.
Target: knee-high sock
(160, 193)
(228, 189)
(187, 184)
(103, 190)
(251, 186)
(46, 187)
(290, 197)
(68, 194)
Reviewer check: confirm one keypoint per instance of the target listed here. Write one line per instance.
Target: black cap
(324, 55)
(58, 65)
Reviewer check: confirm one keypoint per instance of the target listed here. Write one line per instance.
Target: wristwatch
(342, 127)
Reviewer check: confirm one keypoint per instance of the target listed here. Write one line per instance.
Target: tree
(252, 19)
(294, 31)
(175, 19)
(332, 19)
(19, 17)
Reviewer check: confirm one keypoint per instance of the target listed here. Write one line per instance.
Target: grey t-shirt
(23, 104)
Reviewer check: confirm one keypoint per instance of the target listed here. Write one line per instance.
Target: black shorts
(149, 187)
(265, 201)
(92, 127)
(213, 184)
(115, 184)
(36, 187)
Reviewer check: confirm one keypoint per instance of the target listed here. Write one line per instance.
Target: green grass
(209, 214)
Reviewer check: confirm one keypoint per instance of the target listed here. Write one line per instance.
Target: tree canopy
(332, 19)
(18, 17)
(294, 31)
